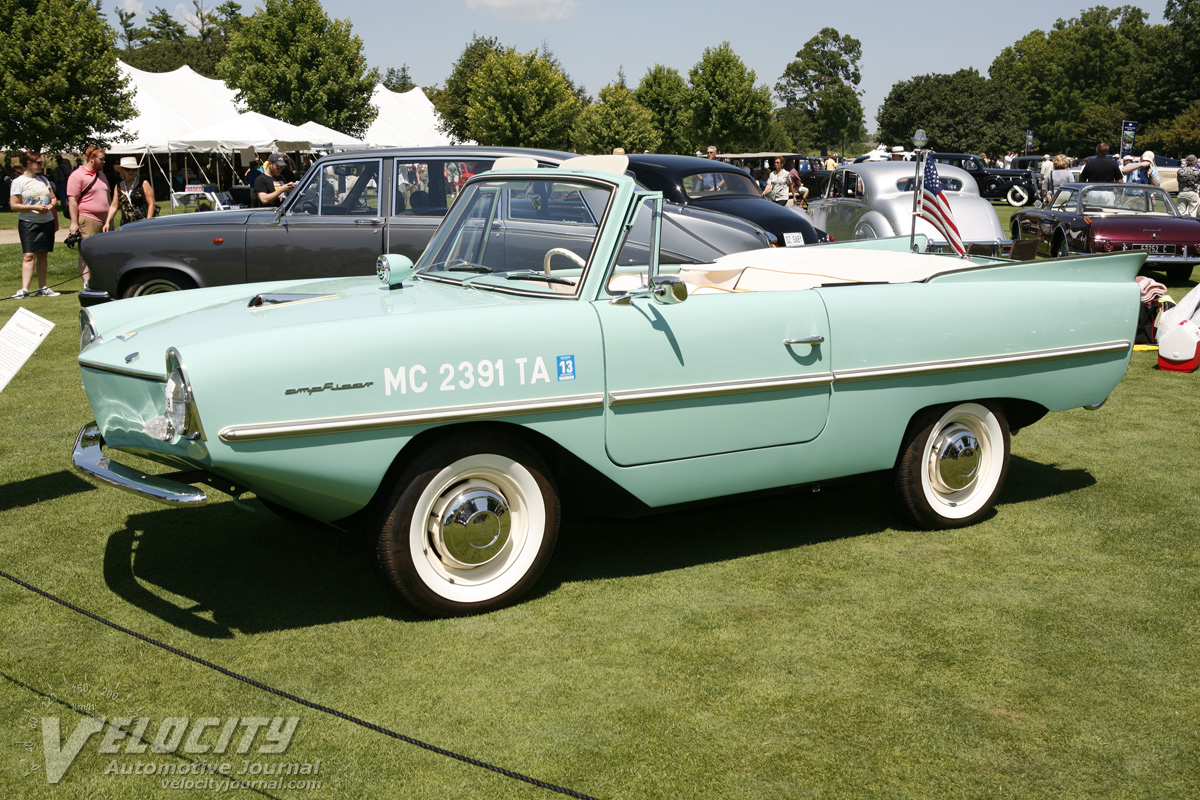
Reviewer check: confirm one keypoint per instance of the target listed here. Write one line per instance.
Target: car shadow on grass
(32, 491)
(217, 571)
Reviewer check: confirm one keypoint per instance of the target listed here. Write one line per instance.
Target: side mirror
(393, 269)
(668, 289)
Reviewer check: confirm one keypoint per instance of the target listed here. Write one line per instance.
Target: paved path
(12, 237)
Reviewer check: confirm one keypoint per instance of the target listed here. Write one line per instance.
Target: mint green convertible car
(540, 341)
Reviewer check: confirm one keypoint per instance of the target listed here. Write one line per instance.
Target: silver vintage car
(874, 200)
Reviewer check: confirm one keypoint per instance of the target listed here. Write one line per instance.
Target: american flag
(935, 207)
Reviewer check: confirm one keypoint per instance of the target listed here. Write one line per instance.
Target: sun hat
(1148, 156)
(129, 162)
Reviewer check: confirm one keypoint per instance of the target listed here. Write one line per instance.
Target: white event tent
(406, 119)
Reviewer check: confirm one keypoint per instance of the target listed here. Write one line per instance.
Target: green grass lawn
(1049, 652)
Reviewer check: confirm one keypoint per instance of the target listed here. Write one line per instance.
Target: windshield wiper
(530, 275)
(466, 266)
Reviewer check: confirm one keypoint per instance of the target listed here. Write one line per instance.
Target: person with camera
(134, 195)
(89, 197)
(268, 190)
(32, 197)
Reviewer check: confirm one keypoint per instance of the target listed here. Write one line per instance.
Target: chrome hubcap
(473, 529)
(957, 459)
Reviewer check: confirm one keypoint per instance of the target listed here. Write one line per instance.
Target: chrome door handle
(371, 221)
(813, 340)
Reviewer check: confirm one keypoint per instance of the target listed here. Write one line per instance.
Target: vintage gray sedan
(874, 200)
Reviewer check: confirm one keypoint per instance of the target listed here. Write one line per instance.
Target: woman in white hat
(134, 195)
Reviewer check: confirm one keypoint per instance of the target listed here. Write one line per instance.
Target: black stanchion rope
(508, 773)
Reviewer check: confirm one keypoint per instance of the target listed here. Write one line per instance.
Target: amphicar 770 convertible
(541, 341)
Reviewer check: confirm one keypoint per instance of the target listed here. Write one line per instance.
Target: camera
(73, 239)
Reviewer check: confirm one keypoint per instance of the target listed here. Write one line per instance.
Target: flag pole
(919, 139)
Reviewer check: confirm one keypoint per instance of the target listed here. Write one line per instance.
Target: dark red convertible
(1112, 217)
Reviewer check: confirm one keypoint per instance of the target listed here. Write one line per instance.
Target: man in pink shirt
(88, 197)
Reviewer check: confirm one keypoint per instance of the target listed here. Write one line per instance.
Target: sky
(594, 39)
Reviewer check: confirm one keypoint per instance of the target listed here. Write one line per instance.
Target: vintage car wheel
(1059, 248)
(469, 526)
(157, 281)
(1018, 195)
(865, 231)
(951, 467)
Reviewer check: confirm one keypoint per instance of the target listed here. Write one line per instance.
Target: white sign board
(19, 337)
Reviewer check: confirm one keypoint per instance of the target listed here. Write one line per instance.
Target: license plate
(1159, 249)
(794, 239)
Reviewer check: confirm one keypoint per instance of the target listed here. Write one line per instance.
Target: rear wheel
(469, 527)
(952, 465)
(157, 281)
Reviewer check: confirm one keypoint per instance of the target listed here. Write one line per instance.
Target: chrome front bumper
(90, 461)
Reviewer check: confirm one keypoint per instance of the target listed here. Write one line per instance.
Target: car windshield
(1129, 198)
(519, 234)
(719, 184)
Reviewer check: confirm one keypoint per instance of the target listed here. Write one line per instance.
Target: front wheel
(157, 281)
(951, 467)
(470, 526)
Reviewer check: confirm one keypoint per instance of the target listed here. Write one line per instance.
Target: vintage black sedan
(1017, 186)
(349, 209)
(1113, 217)
(715, 185)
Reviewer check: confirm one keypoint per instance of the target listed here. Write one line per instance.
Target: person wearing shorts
(34, 201)
(89, 196)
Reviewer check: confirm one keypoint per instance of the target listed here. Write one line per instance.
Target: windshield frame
(497, 281)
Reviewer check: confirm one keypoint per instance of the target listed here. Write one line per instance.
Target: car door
(720, 372)
(331, 226)
(842, 205)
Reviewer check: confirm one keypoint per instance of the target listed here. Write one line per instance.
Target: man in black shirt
(1101, 169)
(268, 189)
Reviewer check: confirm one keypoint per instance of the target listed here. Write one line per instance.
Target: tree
(616, 120)
(963, 113)
(727, 109)
(822, 83)
(291, 61)
(665, 93)
(1178, 136)
(163, 27)
(131, 34)
(148, 50)
(398, 80)
(521, 100)
(1064, 79)
(59, 76)
(454, 98)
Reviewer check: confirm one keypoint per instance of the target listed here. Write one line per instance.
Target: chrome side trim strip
(119, 371)
(399, 419)
(665, 393)
(979, 362)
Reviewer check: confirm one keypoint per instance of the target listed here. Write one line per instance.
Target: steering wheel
(560, 251)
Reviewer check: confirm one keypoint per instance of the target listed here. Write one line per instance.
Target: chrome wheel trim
(1017, 195)
(157, 286)
(963, 461)
(441, 558)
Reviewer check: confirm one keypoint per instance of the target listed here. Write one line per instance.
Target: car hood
(765, 213)
(235, 217)
(147, 326)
